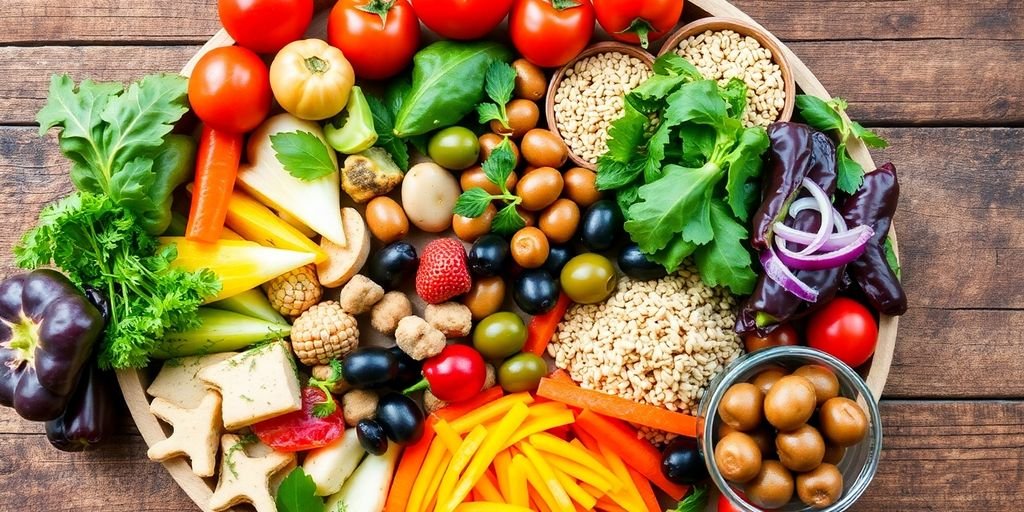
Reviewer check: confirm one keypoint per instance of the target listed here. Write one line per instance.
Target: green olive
(454, 147)
(589, 278)
(499, 335)
(522, 372)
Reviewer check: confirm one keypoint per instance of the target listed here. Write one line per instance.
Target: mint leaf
(499, 82)
(303, 155)
(487, 112)
(818, 113)
(297, 493)
(850, 174)
(828, 116)
(724, 261)
(507, 221)
(500, 164)
(472, 203)
(869, 137)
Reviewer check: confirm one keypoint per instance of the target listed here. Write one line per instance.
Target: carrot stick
(216, 168)
(408, 468)
(637, 453)
(560, 375)
(542, 327)
(646, 492)
(619, 408)
(456, 410)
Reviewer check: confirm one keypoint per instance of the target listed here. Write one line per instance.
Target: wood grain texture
(950, 455)
(32, 22)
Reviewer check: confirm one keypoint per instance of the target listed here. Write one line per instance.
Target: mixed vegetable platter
(394, 270)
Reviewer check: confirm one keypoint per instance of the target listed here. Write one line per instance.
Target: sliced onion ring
(777, 271)
(835, 242)
(809, 203)
(824, 206)
(835, 258)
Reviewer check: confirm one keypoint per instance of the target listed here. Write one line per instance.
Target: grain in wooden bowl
(586, 95)
(723, 48)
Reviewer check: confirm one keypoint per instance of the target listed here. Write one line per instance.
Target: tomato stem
(316, 65)
(380, 8)
(562, 5)
(419, 386)
(641, 28)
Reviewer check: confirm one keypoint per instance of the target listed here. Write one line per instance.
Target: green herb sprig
(327, 407)
(297, 493)
(829, 116)
(384, 112)
(473, 202)
(696, 501)
(304, 155)
(499, 83)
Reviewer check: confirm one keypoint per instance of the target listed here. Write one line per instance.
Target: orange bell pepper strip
(216, 168)
(542, 327)
(408, 468)
(646, 492)
(456, 410)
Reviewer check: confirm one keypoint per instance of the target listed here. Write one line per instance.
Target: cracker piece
(247, 468)
(195, 434)
(178, 381)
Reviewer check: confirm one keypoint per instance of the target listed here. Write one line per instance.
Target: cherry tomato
(230, 89)
(782, 335)
(265, 26)
(845, 329)
(461, 19)
(456, 374)
(378, 37)
(725, 506)
(302, 430)
(635, 22)
(549, 33)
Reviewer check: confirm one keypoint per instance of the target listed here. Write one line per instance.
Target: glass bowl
(858, 465)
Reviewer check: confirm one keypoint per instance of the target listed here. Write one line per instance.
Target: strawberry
(442, 273)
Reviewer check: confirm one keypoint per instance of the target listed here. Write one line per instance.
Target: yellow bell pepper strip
(542, 424)
(627, 496)
(491, 411)
(583, 474)
(542, 493)
(255, 222)
(562, 502)
(581, 497)
(462, 451)
(551, 444)
(518, 492)
(432, 465)
(485, 455)
(486, 487)
(435, 482)
(479, 506)
(502, 465)
(239, 265)
(311, 79)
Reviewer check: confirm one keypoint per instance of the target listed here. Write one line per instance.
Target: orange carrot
(646, 492)
(216, 168)
(542, 327)
(619, 408)
(408, 468)
(637, 453)
(560, 375)
(458, 409)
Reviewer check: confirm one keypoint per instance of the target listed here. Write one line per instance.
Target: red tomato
(636, 22)
(549, 33)
(230, 89)
(265, 26)
(845, 329)
(725, 506)
(456, 374)
(782, 335)
(302, 430)
(461, 19)
(378, 37)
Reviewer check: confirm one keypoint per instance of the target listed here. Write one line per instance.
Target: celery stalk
(219, 331)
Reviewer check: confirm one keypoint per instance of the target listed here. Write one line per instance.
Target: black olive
(601, 225)
(681, 462)
(369, 367)
(634, 263)
(409, 369)
(372, 437)
(393, 264)
(558, 256)
(536, 291)
(488, 255)
(401, 418)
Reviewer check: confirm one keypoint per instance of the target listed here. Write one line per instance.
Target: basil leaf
(447, 83)
(487, 112)
(890, 257)
(384, 122)
(818, 113)
(297, 493)
(869, 137)
(303, 155)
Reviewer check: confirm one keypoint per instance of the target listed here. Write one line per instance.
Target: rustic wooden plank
(887, 82)
(32, 21)
(962, 455)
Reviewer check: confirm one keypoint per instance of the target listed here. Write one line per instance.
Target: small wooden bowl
(549, 101)
(768, 41)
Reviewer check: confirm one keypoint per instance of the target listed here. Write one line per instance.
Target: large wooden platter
(134, 382)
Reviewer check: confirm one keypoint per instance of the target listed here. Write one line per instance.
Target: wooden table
(943, 81)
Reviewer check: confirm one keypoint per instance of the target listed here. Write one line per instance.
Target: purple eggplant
(47, 332)
(874, 205)
(88, 417)
(790, 159)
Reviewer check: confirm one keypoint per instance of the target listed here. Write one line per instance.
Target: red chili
(635, 22)
(454, 375)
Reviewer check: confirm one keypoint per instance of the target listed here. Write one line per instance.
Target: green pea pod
(447, 83)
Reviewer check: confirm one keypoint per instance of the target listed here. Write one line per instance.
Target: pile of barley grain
(655, 342)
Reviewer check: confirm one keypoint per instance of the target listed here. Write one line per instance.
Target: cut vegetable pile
(362, 281)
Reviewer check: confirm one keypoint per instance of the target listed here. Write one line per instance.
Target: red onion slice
(835, 242)
(824, 207)
(777, 271)
(832, 259)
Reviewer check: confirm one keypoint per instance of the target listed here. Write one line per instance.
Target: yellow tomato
(311, 79)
